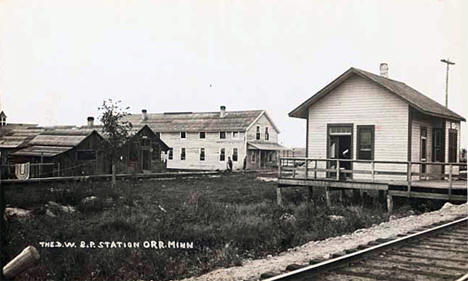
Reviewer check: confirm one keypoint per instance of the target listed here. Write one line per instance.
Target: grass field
(228, 219)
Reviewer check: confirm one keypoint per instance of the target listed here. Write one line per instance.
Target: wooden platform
(306, 172)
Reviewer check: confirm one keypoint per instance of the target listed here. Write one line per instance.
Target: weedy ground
(228, 219)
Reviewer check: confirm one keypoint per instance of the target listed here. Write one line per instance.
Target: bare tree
(115, 129)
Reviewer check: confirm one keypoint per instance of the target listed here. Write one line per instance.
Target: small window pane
(234, 154)
(182, 154)
(202, 154)
(365, 146)
(202, 135)
(222, 154)
(222, 135)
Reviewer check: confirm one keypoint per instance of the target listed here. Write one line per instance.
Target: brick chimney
(222, 111)
(90, 121)
(384, 70)
(144, 115)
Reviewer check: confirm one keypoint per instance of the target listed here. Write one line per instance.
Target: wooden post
(40, 165)
(278, 196)
(337, 170)
(342, 195)
(373, 170)
(306, 168)
(450, 181)
(327, 196)
(279, 168)
(294, 168)
(2, 224)
(311, 193)
(389, 203)
(315, 170)
(409, 178)
(27, 258)
(113, 183)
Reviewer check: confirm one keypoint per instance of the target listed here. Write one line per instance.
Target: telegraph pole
(448, 62)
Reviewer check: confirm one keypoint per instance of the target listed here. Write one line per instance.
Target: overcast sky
(60, 59)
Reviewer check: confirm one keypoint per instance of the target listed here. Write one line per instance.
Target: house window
(145, 142)
(202, 135)
(257, 136)
(182, 153)
(365, 142)
(3, 121)
(423, 143)
(222, 135)
(86, 154)
(234, 154)
(222, 154)
(171, 153)
(235, 135)
(183, 135)
(202, 154)
(267, 135)
(437, 145)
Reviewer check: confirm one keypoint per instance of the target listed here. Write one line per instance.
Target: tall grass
(228, 219)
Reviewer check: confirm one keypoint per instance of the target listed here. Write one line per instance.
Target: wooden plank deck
(304, 172)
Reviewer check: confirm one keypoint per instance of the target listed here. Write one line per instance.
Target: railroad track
(437, 252)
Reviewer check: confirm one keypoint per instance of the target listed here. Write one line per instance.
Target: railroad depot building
(364, 116)
(205, 140)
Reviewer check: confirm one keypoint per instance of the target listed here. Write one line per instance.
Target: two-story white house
(206, 140)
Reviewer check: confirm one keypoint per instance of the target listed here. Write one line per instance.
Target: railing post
(294, 168)
(409, 178)
(306, 168)
(279, 167)
(373, 170)
(337, 170)
(315, 170)
(450, 181)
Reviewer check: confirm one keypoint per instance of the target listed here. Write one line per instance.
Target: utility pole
(2, 226)
(448, 62)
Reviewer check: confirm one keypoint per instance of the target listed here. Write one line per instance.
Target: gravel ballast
(317, 250)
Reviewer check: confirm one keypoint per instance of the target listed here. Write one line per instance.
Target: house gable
(360, 102)
(411, 96)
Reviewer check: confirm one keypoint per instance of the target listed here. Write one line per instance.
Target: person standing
(229, 164)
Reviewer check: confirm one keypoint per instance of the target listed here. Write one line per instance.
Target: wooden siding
(263, 122)
(212, 145)
(361, 102)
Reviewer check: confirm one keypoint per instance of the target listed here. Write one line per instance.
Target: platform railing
(333, 169)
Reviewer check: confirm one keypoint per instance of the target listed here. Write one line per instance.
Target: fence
(43, 170)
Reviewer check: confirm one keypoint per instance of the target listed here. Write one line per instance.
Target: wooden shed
(64, 152)
(143, 150)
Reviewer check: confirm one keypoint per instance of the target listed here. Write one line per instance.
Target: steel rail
(325, 265)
